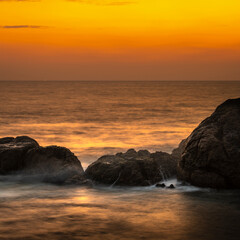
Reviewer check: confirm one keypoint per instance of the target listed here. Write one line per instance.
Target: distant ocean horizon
(103, 81)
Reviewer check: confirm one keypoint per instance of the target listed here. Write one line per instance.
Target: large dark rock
(211, 156)
(23, 155)
(177, 152)
(54, 164)
(132, 168)
(13, 152)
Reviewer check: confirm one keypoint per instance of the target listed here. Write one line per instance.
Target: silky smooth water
(96, 118)
(30, 211)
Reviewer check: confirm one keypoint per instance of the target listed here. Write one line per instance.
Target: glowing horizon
(119, 40)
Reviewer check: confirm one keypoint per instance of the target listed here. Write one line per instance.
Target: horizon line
(120, 80)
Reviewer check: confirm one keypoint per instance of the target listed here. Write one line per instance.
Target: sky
(119, 40)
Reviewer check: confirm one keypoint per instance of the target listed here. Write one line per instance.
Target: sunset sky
(120, 40)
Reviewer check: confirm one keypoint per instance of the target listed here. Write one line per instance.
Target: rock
(211, 156)
(132, 168)
(177, 152)
(160, 185)
(78, 179)
(171, 186)
(23, 155)
(55, 165)
(13, 151)
(167, 165)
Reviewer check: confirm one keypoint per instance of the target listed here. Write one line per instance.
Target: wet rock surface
(177, 152)
(160, 185)
(23, 155)
(211, 155)
(133, 168)
(171, 186)
(13, 151)
(55, 164)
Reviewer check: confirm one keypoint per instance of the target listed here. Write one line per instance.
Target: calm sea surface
(97, 118)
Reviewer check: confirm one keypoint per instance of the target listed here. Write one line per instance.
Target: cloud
(95, 2)
(21, 26)
(104, 2)
(118, 3)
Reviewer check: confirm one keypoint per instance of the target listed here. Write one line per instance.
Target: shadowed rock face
(211, 156)
(132, 168)
(23, 155)
(177, 152)
(13, 152)
(54, 164)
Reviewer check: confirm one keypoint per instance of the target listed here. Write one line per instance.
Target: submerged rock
(13, 151)
(171, 186)
(160, 185)
(211, 156)
(133, 168)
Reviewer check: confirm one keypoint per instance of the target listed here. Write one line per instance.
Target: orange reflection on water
(104, 139)
(45, 211)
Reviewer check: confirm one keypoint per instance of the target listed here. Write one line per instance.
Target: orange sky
(120, 40)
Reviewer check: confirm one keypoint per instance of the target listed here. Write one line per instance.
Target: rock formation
(132, 168)
(211, 155)
(54, 164)
(23, 155)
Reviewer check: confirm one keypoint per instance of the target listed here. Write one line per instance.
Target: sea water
(97, 118)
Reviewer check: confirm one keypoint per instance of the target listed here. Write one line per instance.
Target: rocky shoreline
(209, 157)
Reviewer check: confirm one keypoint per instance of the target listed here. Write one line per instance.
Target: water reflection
(97, 118)
(51, 212)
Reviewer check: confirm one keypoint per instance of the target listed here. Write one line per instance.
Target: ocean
(97, 118)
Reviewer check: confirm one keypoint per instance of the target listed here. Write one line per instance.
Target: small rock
(171, 186)
(160, 185)
(78, 180)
